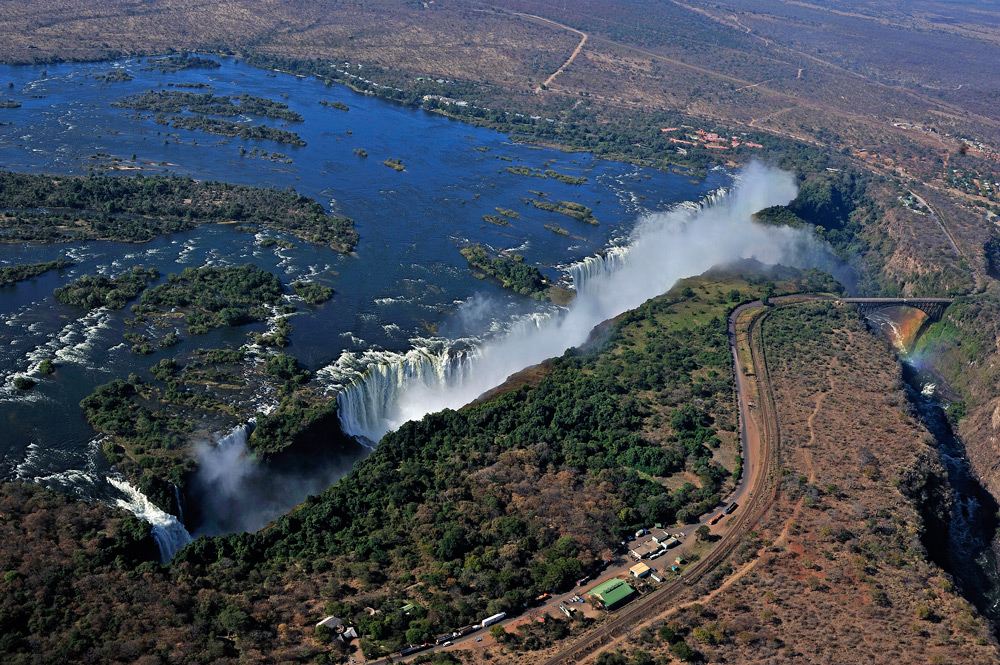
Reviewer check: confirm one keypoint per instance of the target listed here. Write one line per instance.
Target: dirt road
(579, 47)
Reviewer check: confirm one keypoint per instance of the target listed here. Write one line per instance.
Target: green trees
(216, 297)
(312, 293)
(511, 271)
(99, 291)
(140, 208)
(11, 274)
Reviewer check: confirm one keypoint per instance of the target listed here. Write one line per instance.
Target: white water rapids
(168, 532)
(664, 248)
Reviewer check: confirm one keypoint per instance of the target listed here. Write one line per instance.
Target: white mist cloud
(236, 493)
(664, 248)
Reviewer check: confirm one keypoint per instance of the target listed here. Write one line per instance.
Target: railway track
(761, 499)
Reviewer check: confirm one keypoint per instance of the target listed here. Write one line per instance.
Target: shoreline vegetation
(49, 208)
(23, 271)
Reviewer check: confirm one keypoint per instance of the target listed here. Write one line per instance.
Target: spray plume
(664, 248)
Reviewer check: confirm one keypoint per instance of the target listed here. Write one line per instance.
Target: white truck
(489, 621)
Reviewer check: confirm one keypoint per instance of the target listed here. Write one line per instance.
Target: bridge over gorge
(933, 307)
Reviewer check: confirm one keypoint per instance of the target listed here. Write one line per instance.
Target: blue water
(406, 281)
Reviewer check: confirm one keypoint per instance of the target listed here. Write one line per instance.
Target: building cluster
(708, 139)
(343, 634)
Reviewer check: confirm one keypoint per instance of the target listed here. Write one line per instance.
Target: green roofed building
(613, 594)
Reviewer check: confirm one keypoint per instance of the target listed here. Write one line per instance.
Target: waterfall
(180, 505)
(664, 247)
(366, 404)
(589, 270)
(168, 532)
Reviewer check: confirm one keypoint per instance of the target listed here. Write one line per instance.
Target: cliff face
(965, 350)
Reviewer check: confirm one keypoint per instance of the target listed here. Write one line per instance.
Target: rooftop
(612, 591)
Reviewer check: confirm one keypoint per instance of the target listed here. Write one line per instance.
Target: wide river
(406, 283)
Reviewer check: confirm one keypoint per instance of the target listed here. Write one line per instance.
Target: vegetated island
(171, 101)
(335, 105)
(93, 291)
(508, 213)
(312, 293)
(214, 297)
(45, 208)
(568, 208)
(563, 177)
(114, 76)
(229, 128)
(394, 164)
(547, 173)
(176, 63)
(23, 271)
(511, 271)
(496, 219)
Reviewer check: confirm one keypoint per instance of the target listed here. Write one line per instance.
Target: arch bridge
(933, 307)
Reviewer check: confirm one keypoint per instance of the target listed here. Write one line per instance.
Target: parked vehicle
(489, 621)
(414, 648)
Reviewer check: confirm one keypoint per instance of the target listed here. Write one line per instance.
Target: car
(479, 639)
(448, 643)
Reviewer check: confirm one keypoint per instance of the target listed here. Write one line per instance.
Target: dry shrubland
(837, 572)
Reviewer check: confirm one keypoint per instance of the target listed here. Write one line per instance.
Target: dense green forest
(215, 297)
(92, 291)
(137, 209)
(512, 272)
(20, 272)
(169, 101)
